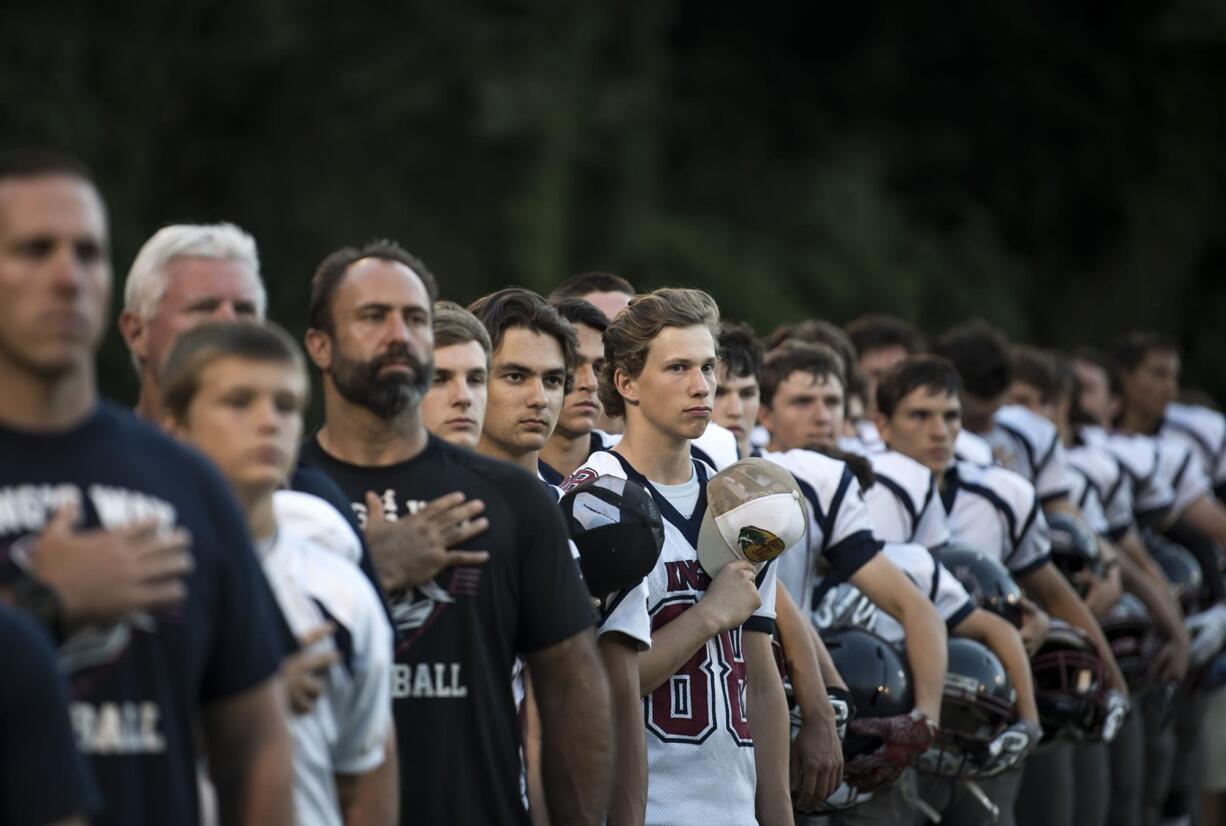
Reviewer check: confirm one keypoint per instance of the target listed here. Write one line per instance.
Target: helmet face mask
(1070, 684)
(977, 705)
(1129, 630)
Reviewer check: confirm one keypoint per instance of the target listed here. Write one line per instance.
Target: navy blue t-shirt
(42, 777)
(137, 686)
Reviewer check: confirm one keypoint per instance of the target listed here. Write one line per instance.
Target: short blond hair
(628, 338)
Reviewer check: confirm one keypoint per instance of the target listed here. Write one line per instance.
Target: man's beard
(385, 396)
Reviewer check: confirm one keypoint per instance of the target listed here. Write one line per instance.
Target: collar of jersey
(688, 527)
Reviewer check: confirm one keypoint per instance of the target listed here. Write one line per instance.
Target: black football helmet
(878, 685)
(1130, 630)
(985, 579)
(618, 530)
(1181, 569)
(1069, 682)
(1074, 549)
(977, 705)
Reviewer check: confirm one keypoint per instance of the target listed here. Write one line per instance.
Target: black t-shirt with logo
(136, 686)
(458, 635)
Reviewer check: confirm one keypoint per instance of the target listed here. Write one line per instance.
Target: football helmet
(1181, 569)
(985, 579)
(1070, 684)
(1074, 549)
(617, 528)
(1129, 629)
(878, 685)
(977, 704)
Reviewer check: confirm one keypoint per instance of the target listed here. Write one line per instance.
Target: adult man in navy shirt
(75, 472)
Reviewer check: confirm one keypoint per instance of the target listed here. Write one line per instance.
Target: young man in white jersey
(534, 352)
(802, 411)
(1020, 440)
(1148, 367)
(816, 758)
(789, 366)
(1050, 388)
(236, 391)
(454, 407)
(710, 674)
(992, 509)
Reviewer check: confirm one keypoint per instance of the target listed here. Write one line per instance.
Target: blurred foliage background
(1057, 168)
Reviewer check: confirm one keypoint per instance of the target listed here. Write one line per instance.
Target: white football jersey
(700, 759)
(845, 605)
(1180, 465)
(840, 534)
(972, 448)
(903, 504)
(1106, 481)
(996, 511)
(716, 446)
(1029, 445)
(1138, 456)
(1202, 429)
(346, 730)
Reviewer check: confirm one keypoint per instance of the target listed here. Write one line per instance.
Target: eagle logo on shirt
(758, 544)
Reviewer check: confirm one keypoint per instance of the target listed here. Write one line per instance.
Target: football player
(236, 391)
(990, 508)
(898, 526)
(802, 409)
(465, 616)
(710, 674)
(454, 407)
(816, 756)
(575, 438)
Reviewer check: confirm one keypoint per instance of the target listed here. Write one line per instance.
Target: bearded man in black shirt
(473, 554)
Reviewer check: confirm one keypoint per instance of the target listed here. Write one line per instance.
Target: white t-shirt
(840, 534)
(700, 759)
(996, 511)
(903, 504)
(346, 731)
(969, 447)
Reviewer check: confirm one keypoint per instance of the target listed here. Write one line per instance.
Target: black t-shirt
(137, 685)
(42, 777)
(458, 635)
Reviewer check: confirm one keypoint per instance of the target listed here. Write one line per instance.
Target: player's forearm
(572, 697)
(768, 721)
(800, 653)
(251, 757)
(373, 798)
(830, 675)
(628, 804)
(1003, 640)
(927, 651)
(672, 645)
(1133, 549)
(1157, 599)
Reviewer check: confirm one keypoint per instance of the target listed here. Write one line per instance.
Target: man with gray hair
(184, 275)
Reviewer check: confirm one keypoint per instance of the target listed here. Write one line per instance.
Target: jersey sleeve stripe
(901, 495)
(765, 625)
(850, 555)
